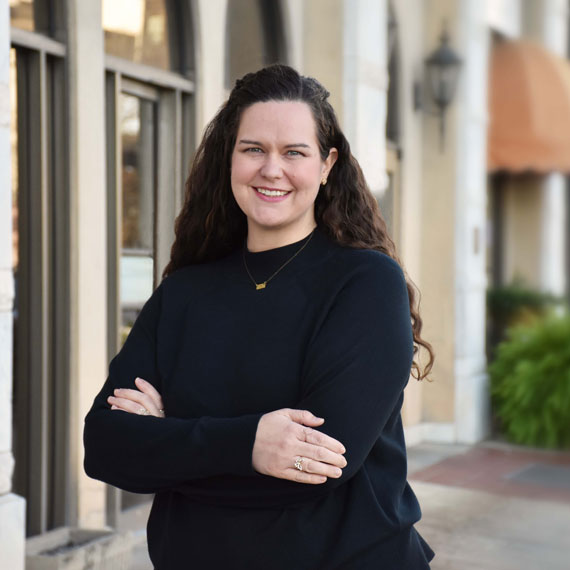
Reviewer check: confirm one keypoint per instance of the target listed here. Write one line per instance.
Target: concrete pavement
(493, 506)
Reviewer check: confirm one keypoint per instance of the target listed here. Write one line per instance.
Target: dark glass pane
(137, 204)
(137, 139)
(137, 30)
(22, 14)
(246, 46)
(33, 16)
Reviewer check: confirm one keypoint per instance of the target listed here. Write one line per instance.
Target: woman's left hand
(145, 401)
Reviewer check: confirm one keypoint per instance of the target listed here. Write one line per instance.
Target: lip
(271, 198)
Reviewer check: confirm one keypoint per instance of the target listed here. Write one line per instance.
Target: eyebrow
(257, 143)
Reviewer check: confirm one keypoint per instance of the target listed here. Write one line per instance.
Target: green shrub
(511, 305)
(530, 383)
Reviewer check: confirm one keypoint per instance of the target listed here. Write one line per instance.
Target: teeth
(271, 192)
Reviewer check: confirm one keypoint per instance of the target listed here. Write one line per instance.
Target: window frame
(174, 96)
(41, 378)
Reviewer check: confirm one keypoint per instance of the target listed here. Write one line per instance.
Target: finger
(322, 455)
(151, 391)
(133, 401)
(303, 417)
(114, 407)
(322, 439)
(304, 477)
(126, 405)
(140, 397)
(319, 468)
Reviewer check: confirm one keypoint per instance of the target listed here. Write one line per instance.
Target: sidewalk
(490, 506)
(493, 506)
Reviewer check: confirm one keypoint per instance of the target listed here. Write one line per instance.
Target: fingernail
(114, 408)
(137, 379)
(337, 473)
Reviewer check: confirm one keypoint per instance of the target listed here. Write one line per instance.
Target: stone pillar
(471, 405)
(88, 238)
(553, 32)
(12, 507)
(453, 244)
(365, 86)
(546, 22)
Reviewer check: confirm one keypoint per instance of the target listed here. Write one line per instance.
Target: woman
(259, 391)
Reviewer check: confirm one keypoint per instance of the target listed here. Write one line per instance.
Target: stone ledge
(12, 531)
(6, 470)
(6, 290)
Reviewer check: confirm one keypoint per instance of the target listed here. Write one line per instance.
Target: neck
(261, 240)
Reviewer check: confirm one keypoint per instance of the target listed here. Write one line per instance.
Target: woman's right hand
(285, 437)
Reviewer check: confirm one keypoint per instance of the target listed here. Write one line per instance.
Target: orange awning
(529, 106)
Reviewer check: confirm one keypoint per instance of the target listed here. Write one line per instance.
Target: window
(149, 140)
(44, 17)
(138, 30)
(41, 344)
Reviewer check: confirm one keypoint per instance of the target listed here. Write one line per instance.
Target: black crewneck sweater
(331, 334)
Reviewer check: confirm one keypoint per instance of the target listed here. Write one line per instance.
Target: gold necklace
(262, 285)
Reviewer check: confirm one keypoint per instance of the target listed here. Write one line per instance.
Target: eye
(253, 149)
(294, 153)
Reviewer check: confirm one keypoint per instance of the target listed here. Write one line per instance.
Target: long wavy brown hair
(211, 224)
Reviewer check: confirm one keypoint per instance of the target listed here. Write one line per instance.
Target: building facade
(101, 105)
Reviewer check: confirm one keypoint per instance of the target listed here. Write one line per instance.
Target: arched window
(254, 37)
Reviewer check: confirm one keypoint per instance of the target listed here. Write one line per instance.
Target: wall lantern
(442, 70)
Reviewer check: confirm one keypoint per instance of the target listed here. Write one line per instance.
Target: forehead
(278, 120)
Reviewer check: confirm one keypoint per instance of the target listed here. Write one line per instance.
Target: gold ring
(299, 464)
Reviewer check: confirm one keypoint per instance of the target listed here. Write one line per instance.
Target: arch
(393, 120)
(255, 37)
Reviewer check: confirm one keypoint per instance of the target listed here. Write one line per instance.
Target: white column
(553, 32)
(210, 45)
(12, 507)
(88, 236)
(366, 86)
(471, 393)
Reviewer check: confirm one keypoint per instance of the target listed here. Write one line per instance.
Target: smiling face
(276, 172)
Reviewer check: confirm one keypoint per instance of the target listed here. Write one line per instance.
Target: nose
(271, 167)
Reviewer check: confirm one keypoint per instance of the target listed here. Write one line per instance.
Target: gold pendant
(260, 286)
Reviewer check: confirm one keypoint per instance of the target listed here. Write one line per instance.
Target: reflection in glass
(137, 204)
(22, 14)
(137, 30)
(137, 138)
(14, 154)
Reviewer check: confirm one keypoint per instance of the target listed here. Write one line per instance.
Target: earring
(323, 181)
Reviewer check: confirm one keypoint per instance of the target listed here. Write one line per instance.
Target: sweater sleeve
(356, 367)
(146, 454)
(359, 362)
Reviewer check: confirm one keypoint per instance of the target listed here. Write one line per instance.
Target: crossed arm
(354, 375)
(281, 436)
